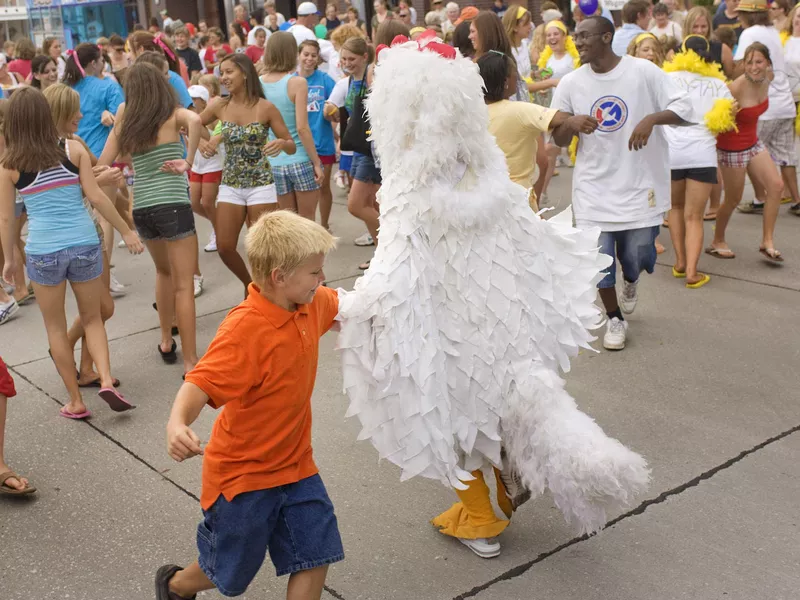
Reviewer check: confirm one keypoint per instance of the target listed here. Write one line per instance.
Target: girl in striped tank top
(62, 243)
(147, 127)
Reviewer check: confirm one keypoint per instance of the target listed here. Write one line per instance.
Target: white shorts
(264, 194)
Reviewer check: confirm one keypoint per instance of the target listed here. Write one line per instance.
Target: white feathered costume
(452, 341)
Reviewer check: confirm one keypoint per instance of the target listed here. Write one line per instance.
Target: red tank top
(747, 136)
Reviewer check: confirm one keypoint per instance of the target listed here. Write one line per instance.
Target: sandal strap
(9, 475)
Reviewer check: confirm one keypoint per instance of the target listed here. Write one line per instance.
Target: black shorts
(167, 222)
(703, 175)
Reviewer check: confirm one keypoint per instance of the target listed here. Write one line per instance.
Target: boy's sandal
(170, 357)
(163, 576)
(771, 254)
(12, 491)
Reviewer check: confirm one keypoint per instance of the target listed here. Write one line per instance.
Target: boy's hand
(182, 442)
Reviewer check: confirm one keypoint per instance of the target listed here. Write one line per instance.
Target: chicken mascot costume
(453, 339)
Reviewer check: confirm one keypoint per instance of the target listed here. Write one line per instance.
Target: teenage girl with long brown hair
(63, 245)
(248, 186)
(147, 127)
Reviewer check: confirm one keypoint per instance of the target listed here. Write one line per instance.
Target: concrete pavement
(706, 390)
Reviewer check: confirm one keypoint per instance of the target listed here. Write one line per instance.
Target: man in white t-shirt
(776, 125)
(621, 181)
(307, 18)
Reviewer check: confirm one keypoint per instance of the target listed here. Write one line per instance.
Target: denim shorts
(298, 177)
(295, 522)
(364, 169)
(167, 222)
(635, 250)
(77, 265)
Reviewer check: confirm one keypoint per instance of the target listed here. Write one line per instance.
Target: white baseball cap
(307, 8)
(198, 91)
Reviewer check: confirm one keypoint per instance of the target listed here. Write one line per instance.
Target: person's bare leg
(18, 483)
(196, 197)
(288, 202)
(789, 175)
(182, 255)
(541, 163)
(552, 152)
(361, 204)
(716, 196)
(326, 199)
(165, 295)
(307, 204)
(87, 295)
(20, 286)
(696, 195)
(307, 585)
(766, 173)
(50, 299)
(677, 231)
(759, 191)
(609, 298)
(230, 219)
(733, 179)
(187, 582)
(209, 202)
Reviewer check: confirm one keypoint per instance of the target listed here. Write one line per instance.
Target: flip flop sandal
(115, 400)
(77, 416)
(170, 357)
(364, 266)
(10, 491)
(720, 253)
(96, 383)
(677, 274)
(709, 217)
(26, 299)
(771, 255)
(698, 284)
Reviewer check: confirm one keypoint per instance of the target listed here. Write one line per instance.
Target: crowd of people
(662, 118)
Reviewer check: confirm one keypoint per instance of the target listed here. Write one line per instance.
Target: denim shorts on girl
(297, 177)
(76, 265)
(168, 222)
(365, 169)
(635, 249)
(295, 522)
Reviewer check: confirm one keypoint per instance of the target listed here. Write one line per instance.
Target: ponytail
(77, 59)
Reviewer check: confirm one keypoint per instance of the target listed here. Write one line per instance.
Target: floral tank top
(246, 164)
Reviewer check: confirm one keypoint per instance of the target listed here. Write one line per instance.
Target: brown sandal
(11, 491)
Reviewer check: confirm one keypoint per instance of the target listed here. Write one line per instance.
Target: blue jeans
(295, 522)
(77, 265)
(634, 249)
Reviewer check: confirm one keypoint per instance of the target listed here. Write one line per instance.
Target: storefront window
(84, 23)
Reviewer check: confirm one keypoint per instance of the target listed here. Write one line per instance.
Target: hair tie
(520, 12)
(644, 36)
(161, 44)
(558, 25)
(76, 60)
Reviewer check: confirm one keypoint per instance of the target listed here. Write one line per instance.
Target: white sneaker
(198, 285)
(211, 246)
(8, 310)
(364, 240)
(616, 332)
(122, 244)
(485, 548)
(339, 179)
(629, 296)
(116, 287)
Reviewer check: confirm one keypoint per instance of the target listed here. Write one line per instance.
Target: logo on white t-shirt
(611, 113)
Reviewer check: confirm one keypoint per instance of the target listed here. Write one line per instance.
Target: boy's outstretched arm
(182, 442)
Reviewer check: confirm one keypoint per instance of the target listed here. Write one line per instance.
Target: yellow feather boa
(797, 123)
(721, 117)
(569, 46)
(573, 150)
(784, 35)
(690, 61)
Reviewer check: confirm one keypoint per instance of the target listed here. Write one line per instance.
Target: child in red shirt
(11, 484)
(261, 488)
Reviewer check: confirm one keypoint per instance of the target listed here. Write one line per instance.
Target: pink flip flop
(77, 416)
(115, 400)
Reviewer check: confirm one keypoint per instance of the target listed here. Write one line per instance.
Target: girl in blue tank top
(63, 244)
(297, 176)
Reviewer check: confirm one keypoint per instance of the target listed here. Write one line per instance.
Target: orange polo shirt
(261, 367)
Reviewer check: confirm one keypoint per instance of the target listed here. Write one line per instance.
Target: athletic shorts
(346, 162)
(778, 137)
(213, 177)
(703, 174)
(264, 194)
(168, 222)
(297, 177)
(739, 159)
(327, 159)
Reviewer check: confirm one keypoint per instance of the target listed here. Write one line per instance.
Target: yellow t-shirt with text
(516, 126)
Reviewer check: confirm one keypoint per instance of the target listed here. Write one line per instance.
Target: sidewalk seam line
(661, 498)
(120, 445)
(743, 280)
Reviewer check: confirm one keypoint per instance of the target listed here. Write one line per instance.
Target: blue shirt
(277, 93)
(623, 37)
(320, 86)
(177, 82)
(97, 95)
